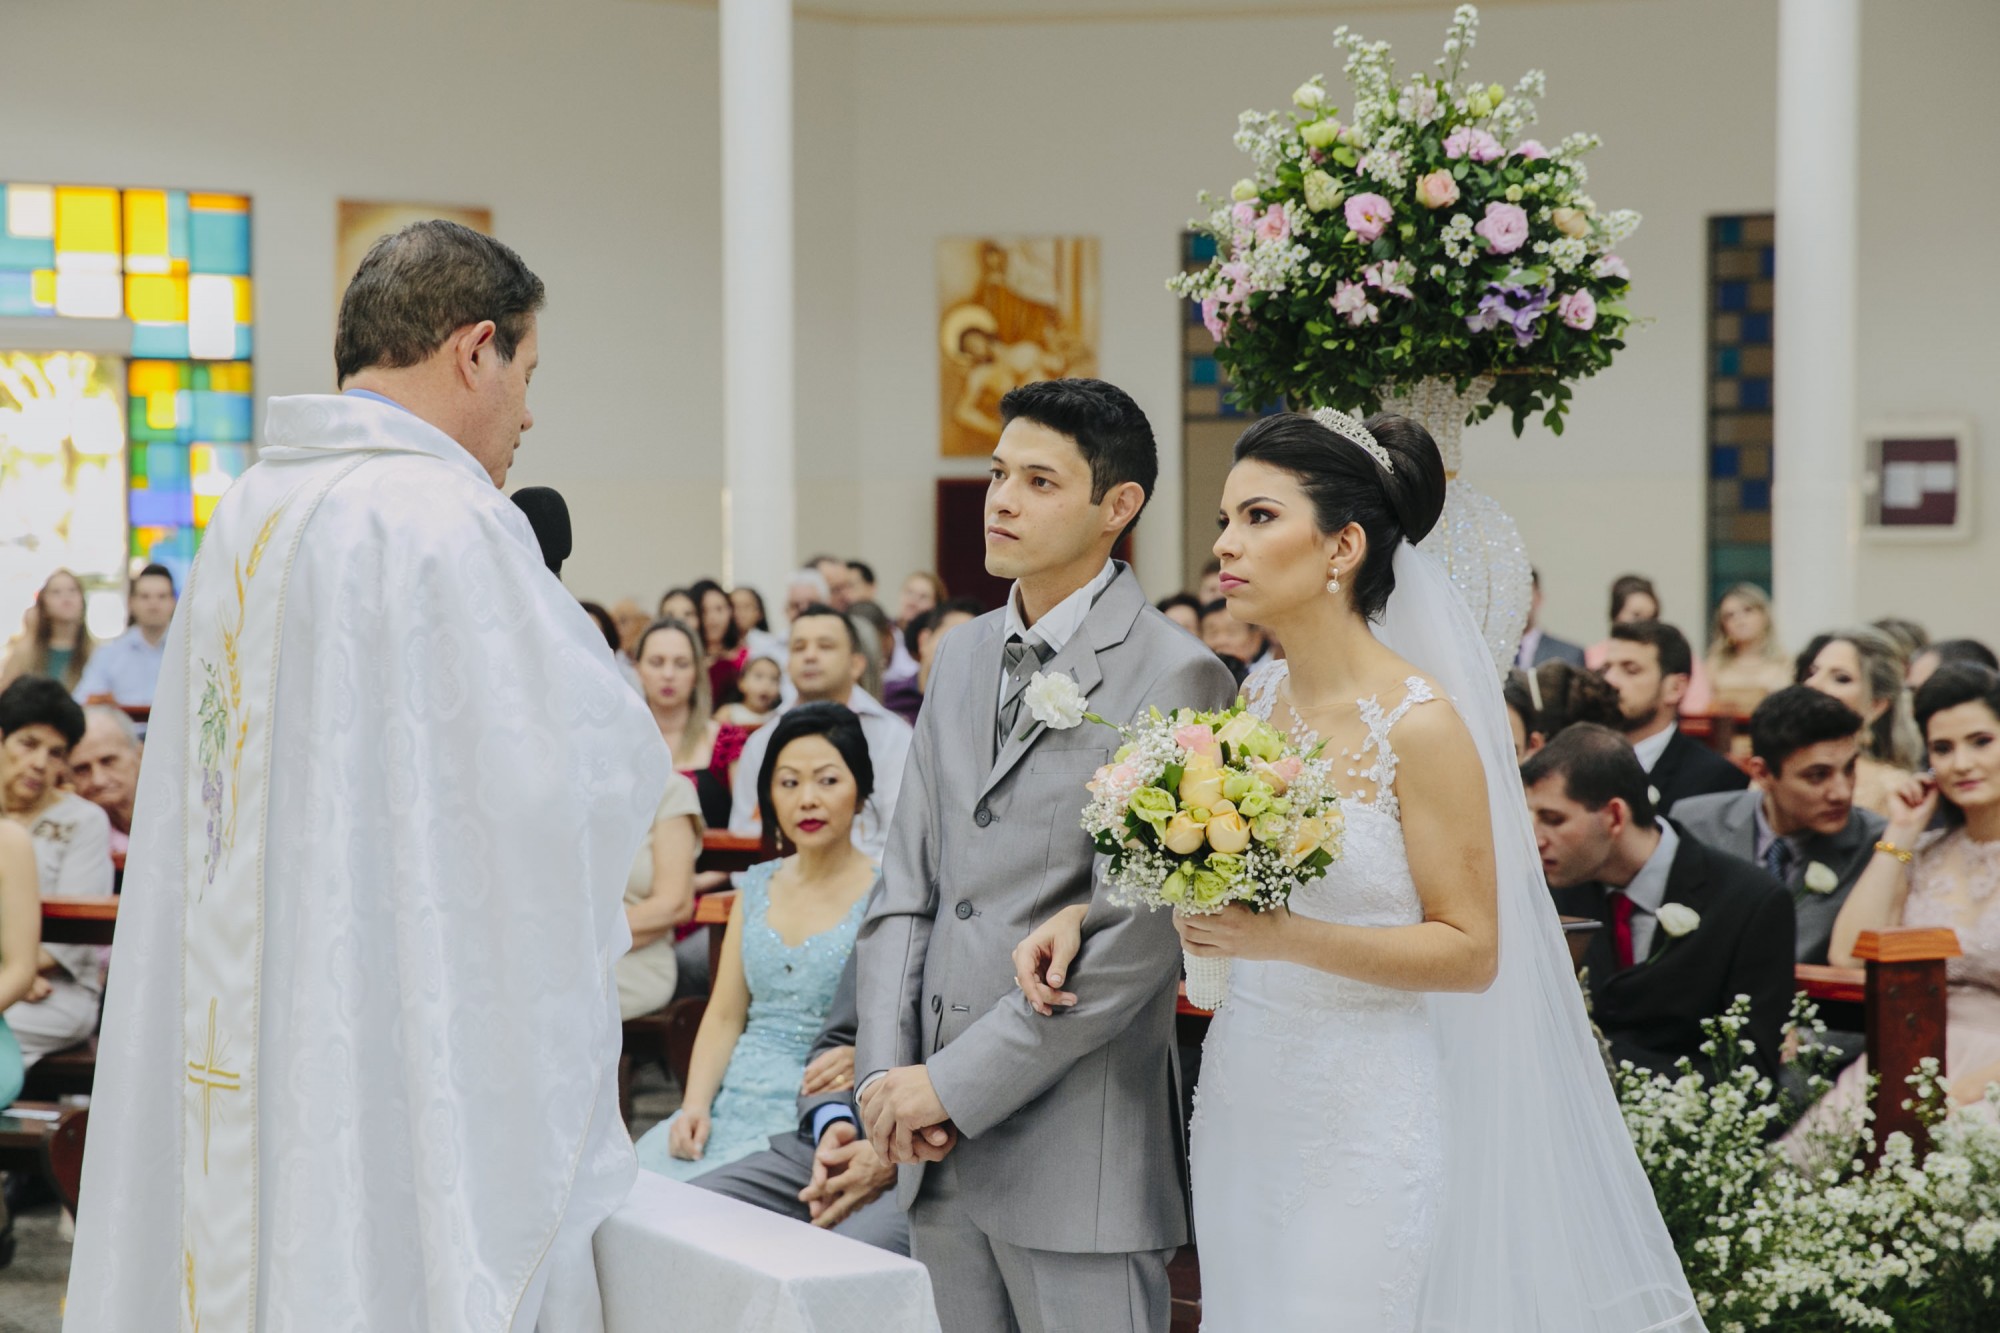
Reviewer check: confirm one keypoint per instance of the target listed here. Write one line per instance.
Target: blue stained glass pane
(1767, 262)
(233, 459)
(178, 241)
(1725, 462)
(1203, 370)
(17, 293)
(1755, 395)
(221, 416)
(243, 343)
(156, 508)
(1756, 497)
(163, 341)
(166, 469)
(1732, 295)
(1727, 359)
(1756, 328)
(1729, 231)
(219, 242)
(1202, 247)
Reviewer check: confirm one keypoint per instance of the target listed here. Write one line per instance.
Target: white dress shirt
(1650, 749)
(888, 739)
(1648, 891)
(1063, 620)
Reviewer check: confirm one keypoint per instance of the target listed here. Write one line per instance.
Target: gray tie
(1021, 659)
(1778, 858)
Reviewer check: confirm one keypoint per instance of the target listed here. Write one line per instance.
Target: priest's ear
(474, 352)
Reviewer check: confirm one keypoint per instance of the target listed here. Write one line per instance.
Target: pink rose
(1477, 144)
(1211, 316)
(1505, 227)
(1274, 225)
(1368, 215)
(1199, 739)
(1531, 149)
(1578, 310)
(1611, 266)
(1437, 190)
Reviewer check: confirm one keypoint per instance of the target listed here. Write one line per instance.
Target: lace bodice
(1955, 882)
(1372, 780)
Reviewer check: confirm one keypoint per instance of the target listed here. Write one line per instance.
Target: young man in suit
(1798, 820)
(1043, 1159)
(824, 1172)
(1651, 664)
(1538, 645)
(1687, 929)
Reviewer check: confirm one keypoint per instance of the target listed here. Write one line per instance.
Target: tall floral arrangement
(1423, 236)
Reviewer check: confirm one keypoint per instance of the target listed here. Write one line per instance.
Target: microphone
(548, 515)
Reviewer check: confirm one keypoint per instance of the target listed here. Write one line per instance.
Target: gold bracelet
(1895, 851)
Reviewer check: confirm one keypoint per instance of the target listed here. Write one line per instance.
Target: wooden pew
(45, 1137)
(71, 920)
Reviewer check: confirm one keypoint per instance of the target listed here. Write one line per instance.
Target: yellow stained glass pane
(163, 410)
(44, 293)
(156, 299)
(219, 203)
(150, 377)
(230, 377)
(86, 224)
(145, 231)
(244, 305)
(204, 508)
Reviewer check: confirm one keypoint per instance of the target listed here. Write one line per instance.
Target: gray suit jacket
(1727, 821)
(1070, 1133)
(1551, 649)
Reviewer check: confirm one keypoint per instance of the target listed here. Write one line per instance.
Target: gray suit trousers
(996, 1287)
(772, 1180)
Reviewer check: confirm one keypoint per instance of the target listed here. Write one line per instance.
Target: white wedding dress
(1318, 1144)
(1369, 1160)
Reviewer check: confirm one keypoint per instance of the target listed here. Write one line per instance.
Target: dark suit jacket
(1551, 649)
(1652, 1011)
(1689, 768)
(1727, 822)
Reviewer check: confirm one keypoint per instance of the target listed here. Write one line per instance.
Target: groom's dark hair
(420, 285)
(1110, 431)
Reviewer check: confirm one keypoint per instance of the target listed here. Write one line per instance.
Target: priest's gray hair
(422, 284)
(117, 719)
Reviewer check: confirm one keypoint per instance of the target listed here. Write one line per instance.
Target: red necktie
(1621, 928)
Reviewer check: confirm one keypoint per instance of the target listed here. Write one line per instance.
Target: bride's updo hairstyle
(1348, 485)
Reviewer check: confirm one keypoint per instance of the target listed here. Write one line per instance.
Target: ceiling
(1059, 11)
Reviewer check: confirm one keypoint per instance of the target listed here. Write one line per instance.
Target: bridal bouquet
(1201, 810)
(1421, 236)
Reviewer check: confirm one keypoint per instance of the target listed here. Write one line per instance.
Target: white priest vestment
(358, 1061)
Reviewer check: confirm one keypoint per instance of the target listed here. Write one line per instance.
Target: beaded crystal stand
(1480, 545)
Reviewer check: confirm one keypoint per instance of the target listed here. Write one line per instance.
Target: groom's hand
(905, 1118)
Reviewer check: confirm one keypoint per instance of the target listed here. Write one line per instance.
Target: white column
(759, 517)
(1814, 505)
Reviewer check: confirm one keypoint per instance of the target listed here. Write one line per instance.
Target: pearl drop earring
(1333, 584)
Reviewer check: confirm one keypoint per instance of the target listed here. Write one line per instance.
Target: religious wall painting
(1917, 481)
(1011, 311)
(361, 223)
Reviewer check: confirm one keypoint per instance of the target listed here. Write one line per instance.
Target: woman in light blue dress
(788, 939)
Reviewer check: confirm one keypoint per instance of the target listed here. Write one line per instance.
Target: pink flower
(1368, 215)
(1611, 266)
(1351, 300)
(1211, 307)
(1244, 215)
(1531, 149)
(1391, 275)
(1280, 773)
(1578, 310)
(1477, 144)
(1437, 190)
(1274, 225)
(1505, 227)
(1198, 738)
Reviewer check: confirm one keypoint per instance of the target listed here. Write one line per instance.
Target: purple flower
(1505, 227)
(1477, 144)
(1518, 308)
(1578, 310)
(1368, 215)
(1531, 149)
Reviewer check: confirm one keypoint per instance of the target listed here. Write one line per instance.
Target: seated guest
(779, 1177)
(721, 642)
(1633, 599)
(20, 947)
(659, 895)
(1925, 876)
(54, 641)
(921, 592)
(755, 623)
(1909, 637)
(39, 723)
(1184, 609)
(1232, 640)
(631, 620)
(788, 940)
(878, 639)
(1863, 669)
(1798, 820)
(826, 664)
(679, 604)
(922, 637)
(839, 576)
(676, 683)
(104, 768)
(1686, 929)
(1555, 695)
(126, 669)
(1537, 645)
(1210, 587)
(762, 686)
(807, 587)
(1950, 651)
(861, 582)
(1650, 664)
(1745, 660)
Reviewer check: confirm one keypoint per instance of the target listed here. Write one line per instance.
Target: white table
(676, 1259)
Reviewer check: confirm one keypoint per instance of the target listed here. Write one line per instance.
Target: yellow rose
(1183, 836)
(1571, 222)
(1201, 784)
(1227, 832)
(1236, 729)
(1307, 840)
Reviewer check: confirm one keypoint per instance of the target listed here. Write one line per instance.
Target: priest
(358, 1062)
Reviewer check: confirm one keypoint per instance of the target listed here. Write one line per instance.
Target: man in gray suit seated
(1044, 1168)
(1798, 819)
(824, 1172)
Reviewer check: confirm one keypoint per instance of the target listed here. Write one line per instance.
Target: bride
(1402, 1121)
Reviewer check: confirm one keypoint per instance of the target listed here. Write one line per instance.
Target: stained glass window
(176, 263)
(1741, 259)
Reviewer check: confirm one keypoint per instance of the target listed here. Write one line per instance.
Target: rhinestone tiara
(1340, 423)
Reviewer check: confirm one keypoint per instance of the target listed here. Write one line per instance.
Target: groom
(1041, 1157)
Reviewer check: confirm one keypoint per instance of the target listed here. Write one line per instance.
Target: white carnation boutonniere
(1055, 701)
(1677, 921)
(1820, 878)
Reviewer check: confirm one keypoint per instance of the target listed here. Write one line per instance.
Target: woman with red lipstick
(1944, 876)
(788, 939)
(673, 673)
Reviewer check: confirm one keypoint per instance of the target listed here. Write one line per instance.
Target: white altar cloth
(677, 1259)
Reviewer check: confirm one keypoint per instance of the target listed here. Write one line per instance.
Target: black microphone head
(548, 515)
